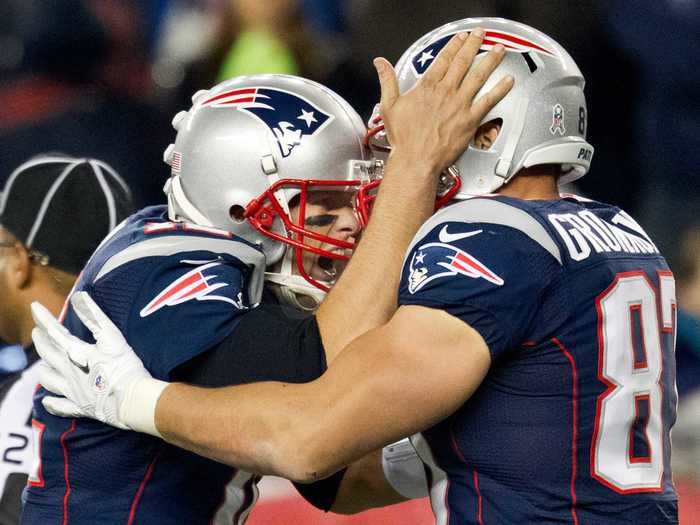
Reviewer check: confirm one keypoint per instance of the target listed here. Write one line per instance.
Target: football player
(263, 172)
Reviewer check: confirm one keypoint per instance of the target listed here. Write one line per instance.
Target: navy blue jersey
(175, 291)
(572, 422)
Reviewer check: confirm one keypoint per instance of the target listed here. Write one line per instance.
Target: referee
(54, 211)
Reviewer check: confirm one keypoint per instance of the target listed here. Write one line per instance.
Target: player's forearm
(303, 432)
(393, 381)
(267, 428)
(366, 294)
(247, 426)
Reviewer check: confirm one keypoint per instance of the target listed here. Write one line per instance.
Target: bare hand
(435, 121)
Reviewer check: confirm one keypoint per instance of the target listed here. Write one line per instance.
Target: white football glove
(105, 381)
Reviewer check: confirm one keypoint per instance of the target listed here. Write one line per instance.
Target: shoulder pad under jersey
(167, 243)
(491, 211)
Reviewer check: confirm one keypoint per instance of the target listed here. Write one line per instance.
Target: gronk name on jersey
(584, 230)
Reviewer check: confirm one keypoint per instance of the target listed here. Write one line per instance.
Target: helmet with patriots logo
(543, 119)
(252, 147)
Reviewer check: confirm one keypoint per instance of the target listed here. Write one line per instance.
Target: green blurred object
(258, 52)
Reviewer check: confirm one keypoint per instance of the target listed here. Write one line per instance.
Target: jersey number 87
(630, 363)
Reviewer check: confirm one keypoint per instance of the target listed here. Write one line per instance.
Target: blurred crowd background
(103, 78)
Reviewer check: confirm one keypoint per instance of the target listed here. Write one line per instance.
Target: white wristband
(138, 409)
(404, 470)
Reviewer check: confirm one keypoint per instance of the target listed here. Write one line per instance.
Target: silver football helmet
(252, 147)
(543, 118)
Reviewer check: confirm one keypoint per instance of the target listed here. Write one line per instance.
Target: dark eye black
(320, 220)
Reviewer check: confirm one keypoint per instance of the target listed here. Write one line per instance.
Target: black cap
(63, 207)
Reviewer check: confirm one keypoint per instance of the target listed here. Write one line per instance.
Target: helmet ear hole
(487, 133)
(237, 213)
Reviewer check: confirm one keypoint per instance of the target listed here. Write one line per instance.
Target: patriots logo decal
(422, 60)
(288, 116)
(194, 285)
(435, 260)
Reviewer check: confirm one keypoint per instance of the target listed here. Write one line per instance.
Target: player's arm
(428, 127)
(391, 382)
(290, 350)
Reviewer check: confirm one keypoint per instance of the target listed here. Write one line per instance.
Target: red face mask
(262, 212)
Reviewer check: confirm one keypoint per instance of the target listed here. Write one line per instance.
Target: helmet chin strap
(503, 167)
(296, 292)
(293, 289)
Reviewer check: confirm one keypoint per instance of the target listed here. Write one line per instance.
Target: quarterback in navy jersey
(150, 276)
(184, 284)
(533, 346)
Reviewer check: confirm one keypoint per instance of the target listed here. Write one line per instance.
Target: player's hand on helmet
(435, 121)
(100, 380)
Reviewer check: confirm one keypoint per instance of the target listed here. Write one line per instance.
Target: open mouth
(328, 266)
(331, 266)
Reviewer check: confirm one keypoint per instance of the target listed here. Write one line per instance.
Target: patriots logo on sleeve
(436, 260)
(194, 285)
(287, 115)
(423, 58)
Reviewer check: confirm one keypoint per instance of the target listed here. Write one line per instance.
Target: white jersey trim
(234, 509)
(478, 210)
(174, 244)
